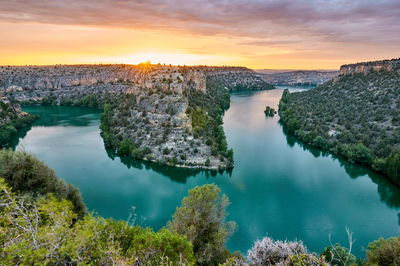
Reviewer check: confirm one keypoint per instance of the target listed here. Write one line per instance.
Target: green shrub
(24, 173)
(384, 252)
(339, 255)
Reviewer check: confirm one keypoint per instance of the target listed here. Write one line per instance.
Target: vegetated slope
(11, 120)
(47, 231)
(30, 177)
(166, 114)
(356, 116)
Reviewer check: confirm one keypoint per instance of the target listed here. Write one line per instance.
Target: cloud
(263, 29)
(333, 20)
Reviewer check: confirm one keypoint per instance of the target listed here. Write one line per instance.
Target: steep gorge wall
(367, 67)
(301, 77)
(35, 82)
(62, 81)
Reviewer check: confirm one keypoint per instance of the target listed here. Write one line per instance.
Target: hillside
(166, 114)
(356, 116)
(11, 120)
(300, 77)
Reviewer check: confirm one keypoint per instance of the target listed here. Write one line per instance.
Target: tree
(361, 154)
(384, 252)
(125, 148)
(293, 125)
(392, 167)
(320, 143)
(269, 111)
(201, 219)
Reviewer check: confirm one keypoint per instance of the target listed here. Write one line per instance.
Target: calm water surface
(277, 188)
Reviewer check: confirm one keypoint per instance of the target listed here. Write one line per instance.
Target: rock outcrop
(367, 67)
(302, 77)
(42, 81)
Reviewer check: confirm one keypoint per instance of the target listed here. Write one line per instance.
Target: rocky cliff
(43, 81)
(367, 67)
(302, 77)
(167, 114)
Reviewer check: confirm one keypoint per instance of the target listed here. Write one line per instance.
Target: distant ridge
(366, 67)
(300, 77)
(276, 71)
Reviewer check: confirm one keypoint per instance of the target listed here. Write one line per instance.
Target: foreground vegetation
(48, 233)
(32, 179)
(356, 117)
(40, 225)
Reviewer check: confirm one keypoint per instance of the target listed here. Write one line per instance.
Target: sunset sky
(277, 34)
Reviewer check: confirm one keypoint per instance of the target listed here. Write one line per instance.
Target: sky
(273, 34)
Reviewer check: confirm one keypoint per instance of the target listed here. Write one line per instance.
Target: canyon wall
(301, 77)
(61, 81)
(367, 67)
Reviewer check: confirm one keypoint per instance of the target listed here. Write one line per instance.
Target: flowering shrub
(270, 252)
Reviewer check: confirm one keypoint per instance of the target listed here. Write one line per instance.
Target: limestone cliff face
(367, 67)
(237, 78)
(62, 81)
(70, 78)
(301, 77)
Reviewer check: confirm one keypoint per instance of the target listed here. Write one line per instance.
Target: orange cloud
(259, 34)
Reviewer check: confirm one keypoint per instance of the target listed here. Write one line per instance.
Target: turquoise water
(277, 188)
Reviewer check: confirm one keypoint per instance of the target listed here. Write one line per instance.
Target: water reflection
(176, 174)
(63, 115)
(388, 192)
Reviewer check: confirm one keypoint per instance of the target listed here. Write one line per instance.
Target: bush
(338, 255)
(361, 154)
(24, 173)
(125, 147)
(384, 252)
(270, 252)
(269, 111)
(392, 167)
(320, 142)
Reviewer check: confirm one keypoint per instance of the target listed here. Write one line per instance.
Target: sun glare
(172, 58)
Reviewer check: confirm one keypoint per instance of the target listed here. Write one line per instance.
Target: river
(278, 187)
